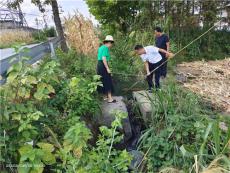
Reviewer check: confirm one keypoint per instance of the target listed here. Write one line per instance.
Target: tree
(56, 15)
(119, 14)
(58, 24)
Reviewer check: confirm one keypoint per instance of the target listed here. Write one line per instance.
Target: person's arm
(168, 48)
(167, 45)
(106, 64)
(170, 55)
(147, 67)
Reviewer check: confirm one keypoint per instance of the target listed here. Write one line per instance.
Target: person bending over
(152, 59)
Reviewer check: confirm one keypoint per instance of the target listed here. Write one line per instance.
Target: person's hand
(108, 70)
(169, 55)
(148, 73)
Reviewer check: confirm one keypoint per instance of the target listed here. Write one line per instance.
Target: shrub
(40, 36)
(50, 32)
(74, 63)
(41, 127)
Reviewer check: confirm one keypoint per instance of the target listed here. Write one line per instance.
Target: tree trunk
(58, 25)
(193, 7)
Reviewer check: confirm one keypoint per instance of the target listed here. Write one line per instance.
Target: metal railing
(35, 53)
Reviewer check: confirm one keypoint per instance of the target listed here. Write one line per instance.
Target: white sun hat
(109, 38)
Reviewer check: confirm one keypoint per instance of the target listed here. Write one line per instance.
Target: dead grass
(9, 38)
(80, 34)
(209, 79)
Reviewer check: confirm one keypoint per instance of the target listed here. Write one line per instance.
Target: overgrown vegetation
(181, 134)
(12, 37)
(42, 127)
(47, 111)
(42, 35)
(182, 20)
(8, 38)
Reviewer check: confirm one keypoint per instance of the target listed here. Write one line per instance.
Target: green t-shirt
(103, 51)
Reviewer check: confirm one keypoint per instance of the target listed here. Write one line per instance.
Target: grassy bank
(14, 37)
(181, 128)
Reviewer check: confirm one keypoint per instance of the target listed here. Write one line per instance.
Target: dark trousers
(157, 75)
(164, 66)
(106, 79)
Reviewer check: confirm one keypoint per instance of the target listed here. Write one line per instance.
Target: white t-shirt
(152, 54)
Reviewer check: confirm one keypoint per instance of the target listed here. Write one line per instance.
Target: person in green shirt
(103, 69)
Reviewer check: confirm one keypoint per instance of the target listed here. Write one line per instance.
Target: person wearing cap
(162, 41)
(152, 60)
(103, 69)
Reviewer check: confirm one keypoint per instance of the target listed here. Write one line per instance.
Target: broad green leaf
(40, 91)
(36, 115)
(26, 134)
(24, 92)
(32, 79)
(23, 168)
(48, 158)
(18, 66)
(50, 89)
(46, 146)
(6, 115)
(38, 95)
(29, 79)
(25, 149)
(27, 152)
(38, 168)
(16, 116)
(13, 75)
(74, 82)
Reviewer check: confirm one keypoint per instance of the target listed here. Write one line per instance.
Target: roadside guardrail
(35, 53)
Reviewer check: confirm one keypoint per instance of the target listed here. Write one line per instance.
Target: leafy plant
(50, 32)
(34, 159)
(80, 97)
(41, 126)
(178, 130)
(103, 157)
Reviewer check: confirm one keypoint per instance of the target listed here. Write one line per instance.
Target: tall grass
(179, 130)
(11, 37)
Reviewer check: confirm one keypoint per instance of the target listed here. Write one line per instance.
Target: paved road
(4, 53)
(36, 51)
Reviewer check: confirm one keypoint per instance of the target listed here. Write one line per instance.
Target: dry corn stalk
(80, 34)
(209, 79)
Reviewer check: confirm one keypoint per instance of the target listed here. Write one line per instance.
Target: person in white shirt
(152, 59)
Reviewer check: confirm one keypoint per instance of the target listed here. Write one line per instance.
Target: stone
(137, 158)
(181, 78)
(107, 116)
(143, 100)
